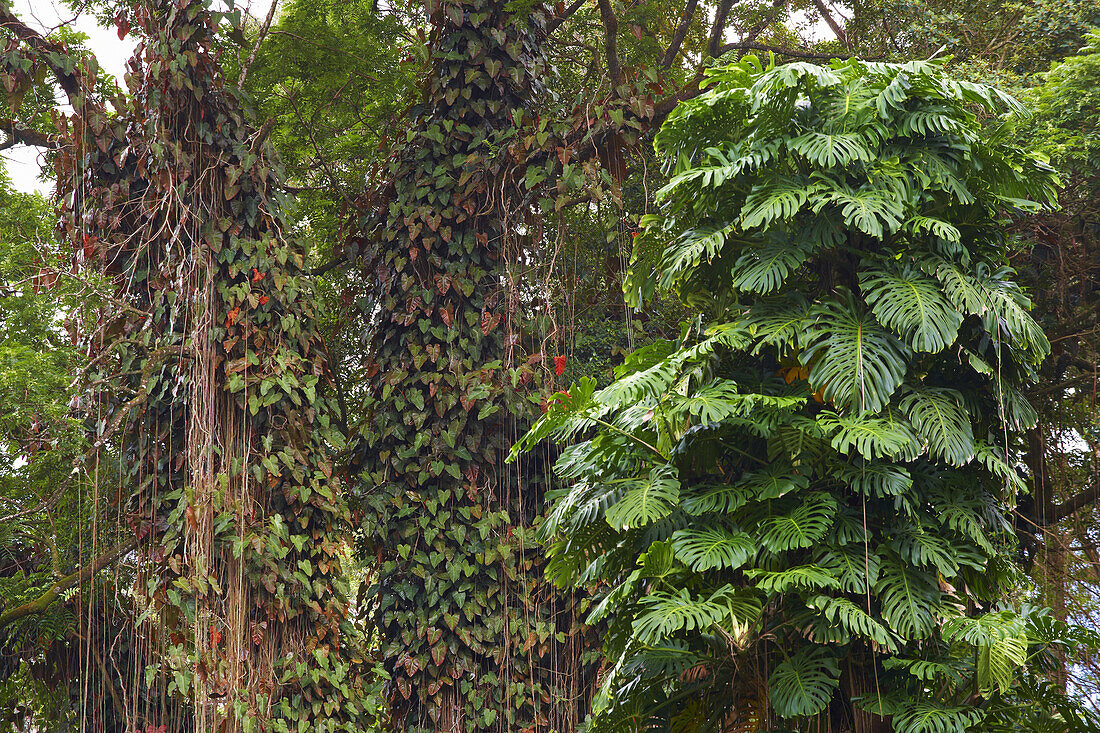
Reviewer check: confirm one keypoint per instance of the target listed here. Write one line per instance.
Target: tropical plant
(797, 514)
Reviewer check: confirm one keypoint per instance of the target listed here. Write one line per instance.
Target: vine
(218, 415)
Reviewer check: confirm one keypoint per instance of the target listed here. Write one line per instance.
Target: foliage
(804, 498)
(471, 637)
(215, 410)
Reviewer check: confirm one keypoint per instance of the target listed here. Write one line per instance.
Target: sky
(48, 15)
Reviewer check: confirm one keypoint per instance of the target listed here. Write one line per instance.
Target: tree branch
(831, 22)
(1075, 503)
(611, 49)
(330, 265)
(721, 14)
(680, 34)
(259, 39)
(566, 14)
(44, 601)
(19, 135)
(769, 18)
(748, 46)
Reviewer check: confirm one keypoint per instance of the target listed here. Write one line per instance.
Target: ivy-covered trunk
(219, 421)
(472, 636)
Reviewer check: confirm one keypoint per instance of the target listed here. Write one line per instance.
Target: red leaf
(232, 317)
(559, 365)
(123, 24)
(257, 275)
(263, 300)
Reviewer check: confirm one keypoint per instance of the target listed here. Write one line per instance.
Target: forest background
(332, 87)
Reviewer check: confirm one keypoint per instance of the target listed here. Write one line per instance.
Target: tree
(798, 511)
(204, 392)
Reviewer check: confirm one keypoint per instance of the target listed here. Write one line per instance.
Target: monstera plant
(797, 515)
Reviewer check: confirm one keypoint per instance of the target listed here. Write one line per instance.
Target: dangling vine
(208, 385)
(472, 636)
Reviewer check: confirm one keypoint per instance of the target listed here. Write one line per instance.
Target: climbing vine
(472, 637)
(207, 385)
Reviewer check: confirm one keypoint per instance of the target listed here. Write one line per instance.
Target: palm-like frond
(721, 498)
(875, 478)
(853, 565)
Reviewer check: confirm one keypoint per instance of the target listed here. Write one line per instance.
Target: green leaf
(807, 577)
(870, 437)
(910, 599)
(804, 683)
(853, 619)
(712, 547)
(852, 358)
(645, 500)
(939, 418)
(764, 267)
(828, 150)
(702, 498)
(932, 717)
(775, 200)
(912, 305)
(662, 614)
(807, 523)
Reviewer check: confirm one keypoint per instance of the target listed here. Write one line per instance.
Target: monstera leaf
(645, 500)
(804, 683)
(713, 547)
(912, 306)
(854, 361)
